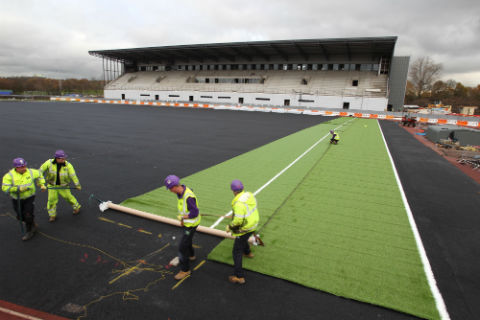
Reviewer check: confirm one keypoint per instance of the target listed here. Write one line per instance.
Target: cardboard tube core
(174, 222)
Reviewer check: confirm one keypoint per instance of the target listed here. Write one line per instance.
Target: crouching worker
(244, 222)
(59, 173)
(335, 137)
(19, 183)
(188, 214)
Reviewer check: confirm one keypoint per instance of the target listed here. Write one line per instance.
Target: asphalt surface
(113, 266)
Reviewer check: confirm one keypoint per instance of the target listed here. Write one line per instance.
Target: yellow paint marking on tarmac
(126, 273)
(196, 246)
(106, 220)
(124, 225)
(180, 282)
(159, 235)
(199, 265)
(143, 231)
(136, 267)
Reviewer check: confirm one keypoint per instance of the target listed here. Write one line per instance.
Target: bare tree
(423, 73)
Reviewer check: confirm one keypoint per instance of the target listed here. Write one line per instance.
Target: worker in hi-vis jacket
(19, 183)
(59, 173)
(335, 137)
(189, 216)
(245, 219)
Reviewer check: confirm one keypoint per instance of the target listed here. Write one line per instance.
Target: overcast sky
(52, 37)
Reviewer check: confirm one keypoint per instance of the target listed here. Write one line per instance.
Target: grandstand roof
(346, 49)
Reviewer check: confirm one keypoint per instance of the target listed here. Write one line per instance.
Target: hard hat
(331, 131)
(171, 181)
(236, 185)
(60, 154)
(19, 162)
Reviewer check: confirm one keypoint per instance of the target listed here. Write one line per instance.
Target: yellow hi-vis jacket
(183, 208)
(245, 214)
(67, 173)
(13, 180)
(336, 136)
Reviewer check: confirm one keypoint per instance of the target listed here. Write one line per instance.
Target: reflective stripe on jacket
(335, 136)
(13, 180)
(183, 208)
(67, 173)
(245, 214)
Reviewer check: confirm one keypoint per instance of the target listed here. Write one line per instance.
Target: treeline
(424, 87)
(47, 86)
(448, 93)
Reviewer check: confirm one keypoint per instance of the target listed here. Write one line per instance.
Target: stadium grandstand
(343, 73)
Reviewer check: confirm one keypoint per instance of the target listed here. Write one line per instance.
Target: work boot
(250, 255)
(192, 258)
(52, 219)
(235, 279)
(76, 211)
(182, 274)
(28, 236)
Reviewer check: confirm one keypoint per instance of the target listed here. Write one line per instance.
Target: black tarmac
(114, 266)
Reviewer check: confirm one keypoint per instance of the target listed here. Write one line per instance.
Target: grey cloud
(53, 37)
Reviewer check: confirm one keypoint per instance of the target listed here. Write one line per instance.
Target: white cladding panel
(258, 99)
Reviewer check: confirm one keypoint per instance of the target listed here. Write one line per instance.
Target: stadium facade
(344, 73)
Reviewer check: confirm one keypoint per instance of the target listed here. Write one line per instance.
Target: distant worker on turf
(59, 173)
(244, 222)
(19, 183)
(188, 214)
(335, 137)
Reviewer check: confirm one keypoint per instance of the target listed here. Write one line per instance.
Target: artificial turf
(338, 225)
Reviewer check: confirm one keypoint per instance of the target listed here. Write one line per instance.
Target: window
(263, 99)
(206, 97)
(305, 100)
(304, 81)
(357, 67)
(354, 83)
(220, 97)
(346, 105)
(173, 95)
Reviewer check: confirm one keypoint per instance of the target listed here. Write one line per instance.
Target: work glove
(180, 217)
(22, 189)
(228, 229)
(79, 187)
(43, 188)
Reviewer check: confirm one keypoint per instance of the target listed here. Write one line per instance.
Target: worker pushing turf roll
(188, 214)
(59, 173)
(245, 219)
(335, 137)
(19, 183)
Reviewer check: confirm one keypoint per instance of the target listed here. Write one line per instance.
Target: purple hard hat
(236, 185)
(171, 181)
(60, 154)
(331, 131)
(19, 162)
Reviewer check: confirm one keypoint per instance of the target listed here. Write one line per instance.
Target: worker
(19, 183)
(335, 137)
(59, 173)
(188, 214)
(245, 219)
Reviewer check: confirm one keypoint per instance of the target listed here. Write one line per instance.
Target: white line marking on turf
(442, 309)
(281, 172)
